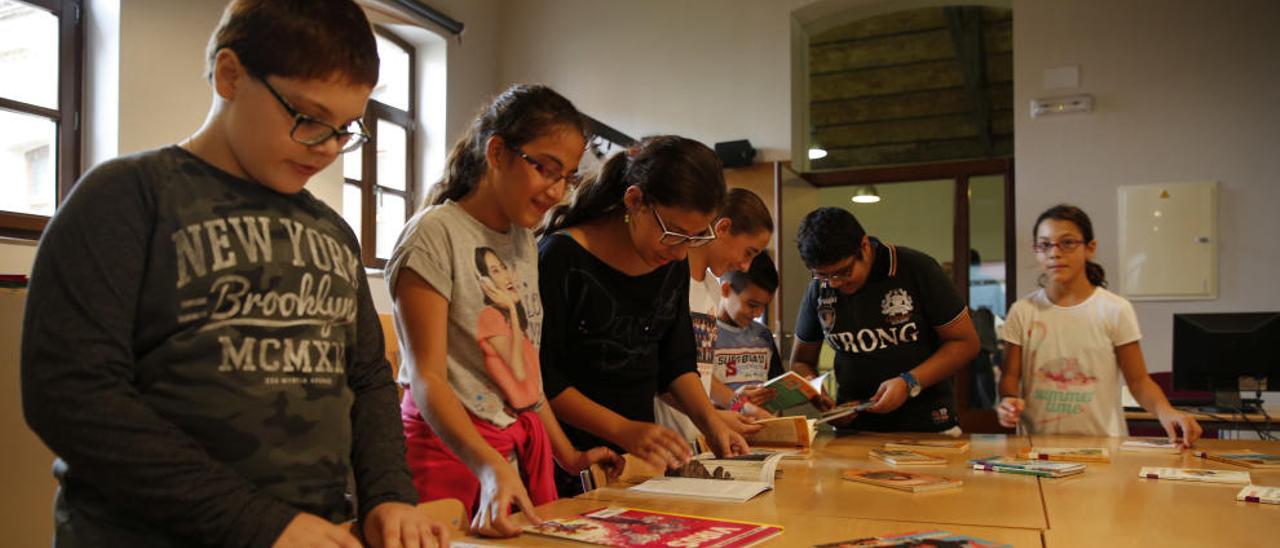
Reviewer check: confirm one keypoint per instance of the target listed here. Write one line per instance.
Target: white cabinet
(1169, 241)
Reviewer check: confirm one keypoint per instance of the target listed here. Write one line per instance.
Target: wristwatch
(913, 386)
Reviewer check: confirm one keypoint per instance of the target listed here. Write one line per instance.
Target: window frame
(67, 117)
(370, 190)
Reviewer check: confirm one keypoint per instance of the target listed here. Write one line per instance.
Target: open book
(790, 390)
(734, 479)
(648, 529)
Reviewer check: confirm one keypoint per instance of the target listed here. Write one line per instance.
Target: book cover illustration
(1195, 474)
(1247, 458)
(1074, 454)
(1044, 469)
(1259, 493)
(790, 390)
(926, 539)
(930, 446)
(902, 480)
(903, 457)
(1152, 445)
(615, 526)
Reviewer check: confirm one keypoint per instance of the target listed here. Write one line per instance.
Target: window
(378, 193)
(39, 111)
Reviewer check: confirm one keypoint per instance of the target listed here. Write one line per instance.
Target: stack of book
(1195, 474)
(1040, 468)
(1074, 454)
(902, 480)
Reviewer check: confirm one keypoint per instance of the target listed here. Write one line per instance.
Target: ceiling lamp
(866, 195)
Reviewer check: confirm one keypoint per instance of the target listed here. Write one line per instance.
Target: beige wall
(712, 70)
(1185, 91)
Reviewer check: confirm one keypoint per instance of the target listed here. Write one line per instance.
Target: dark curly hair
(827, 235)
(762, 274)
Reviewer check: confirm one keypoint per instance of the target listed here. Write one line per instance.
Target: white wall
(712, 70)
(1185, 91)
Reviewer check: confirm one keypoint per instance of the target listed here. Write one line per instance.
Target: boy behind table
(199, 347)
(745, 353)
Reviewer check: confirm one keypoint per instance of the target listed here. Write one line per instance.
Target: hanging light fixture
(866, 195)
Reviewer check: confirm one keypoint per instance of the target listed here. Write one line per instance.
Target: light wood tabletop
(1109, 504)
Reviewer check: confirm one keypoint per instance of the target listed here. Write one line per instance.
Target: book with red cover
(613, 526)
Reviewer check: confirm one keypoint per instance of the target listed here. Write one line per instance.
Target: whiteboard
(1169, 241)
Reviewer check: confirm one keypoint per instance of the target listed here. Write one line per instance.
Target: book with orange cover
(793, 432)
(615, 526)
(1073, 454)
(902, 480)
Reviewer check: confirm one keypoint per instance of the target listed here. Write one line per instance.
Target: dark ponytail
(747, 212)
(520, 114)
(670, 170)
(1072, 214)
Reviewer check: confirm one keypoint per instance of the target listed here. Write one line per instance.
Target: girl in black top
(615, 292)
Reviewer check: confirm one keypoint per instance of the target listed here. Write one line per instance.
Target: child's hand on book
(399, 524)
(1010, 411)
(501, 489)
(658, 445)
(757, 394)
(312, 530)
(738, 422)
(1181, 427)
(608, 460)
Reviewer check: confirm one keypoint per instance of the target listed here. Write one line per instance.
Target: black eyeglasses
(571, 180)
(842, 274)
(673, 239)
(1067, 246)
(312, 132)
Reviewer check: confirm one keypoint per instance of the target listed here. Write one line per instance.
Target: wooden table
(1109, 504)
(1106, 506)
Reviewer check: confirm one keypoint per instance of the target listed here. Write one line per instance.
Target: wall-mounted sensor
(1061, 105)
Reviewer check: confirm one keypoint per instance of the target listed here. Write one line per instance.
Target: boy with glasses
(896, 322)
(200, 348)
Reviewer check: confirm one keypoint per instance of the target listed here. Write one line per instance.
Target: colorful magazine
(647, 529)
(927, 446)
(902, 457)
(1152, 445)
(1195, 474)
(1044, 469)
(1243, 457)
(902, 480)
(1074, 454)
(1259, 493)
(925, 539)
(790, 390)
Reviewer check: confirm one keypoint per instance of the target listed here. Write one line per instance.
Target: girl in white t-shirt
(1070, 341)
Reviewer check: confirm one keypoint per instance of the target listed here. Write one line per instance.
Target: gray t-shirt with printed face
(490, 279)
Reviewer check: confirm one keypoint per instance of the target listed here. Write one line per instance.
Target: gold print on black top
(618, 339)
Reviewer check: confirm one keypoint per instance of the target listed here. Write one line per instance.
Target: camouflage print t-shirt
(240, 316)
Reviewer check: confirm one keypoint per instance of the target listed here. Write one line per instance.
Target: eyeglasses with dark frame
(571, 180)
(309, 131)
(843, 274)
(1067, 246)
(672, 239)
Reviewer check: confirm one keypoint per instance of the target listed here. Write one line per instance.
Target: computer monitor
(1213, 351)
